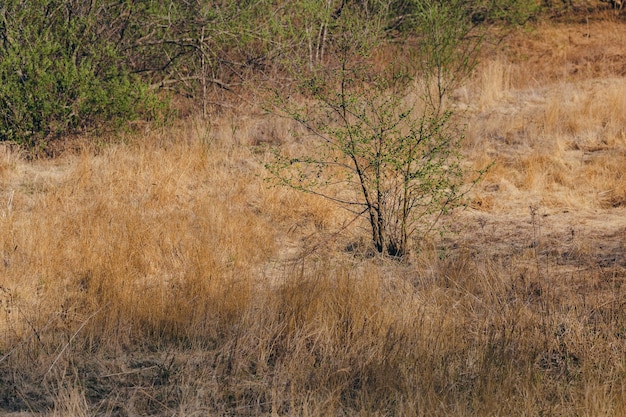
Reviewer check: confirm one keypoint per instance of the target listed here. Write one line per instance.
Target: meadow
(159, 274)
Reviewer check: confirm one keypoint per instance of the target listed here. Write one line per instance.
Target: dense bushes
(70, 65)
(61, 71)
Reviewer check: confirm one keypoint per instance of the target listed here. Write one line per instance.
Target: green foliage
(515, 12)
(70, 65)
(59, 74)
(197, 48)
(475, 12)
(386, 144)
(398, 161)
(446, 46)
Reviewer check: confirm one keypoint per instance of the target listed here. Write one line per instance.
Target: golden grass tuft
(139, 234)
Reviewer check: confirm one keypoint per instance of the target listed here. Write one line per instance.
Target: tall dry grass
(555, 127)
(161, 276)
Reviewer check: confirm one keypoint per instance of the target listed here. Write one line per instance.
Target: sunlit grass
(162, 276)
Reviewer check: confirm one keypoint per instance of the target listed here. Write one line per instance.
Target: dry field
(160, 275)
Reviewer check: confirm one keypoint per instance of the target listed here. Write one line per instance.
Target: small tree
(387, 145)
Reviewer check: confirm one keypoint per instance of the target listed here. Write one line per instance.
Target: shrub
(386, 144)
(60, 73)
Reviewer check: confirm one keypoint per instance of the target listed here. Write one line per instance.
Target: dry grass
(162, 277)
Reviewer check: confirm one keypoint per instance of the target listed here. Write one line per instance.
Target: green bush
(384, 144)
(60, 74)
(67, 66)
